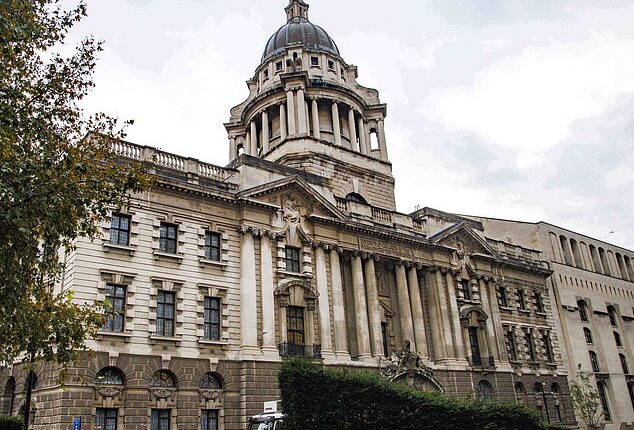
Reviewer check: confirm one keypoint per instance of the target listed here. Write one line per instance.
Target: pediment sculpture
(406, 367)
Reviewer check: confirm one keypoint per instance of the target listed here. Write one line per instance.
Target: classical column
(248, 300)
(324, 305)
(494, 323)
(407, 326)
(338, 308)
(381, 138)
(254, 139)
(455, 317)
(353, 130)
(374, 311)
(301, 112)
(233, 153)
(315, 112)
(282, 122)
(444, 315)
(247, 143)
(363, 142)
(336, 127)
(290, 108)
(265, 132)
(435, 313)
(361, 310)
(417, 311)
(268, 300)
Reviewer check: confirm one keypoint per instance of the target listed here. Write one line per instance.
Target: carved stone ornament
(290, 222)
(108, 390)
(406, 368)
(461, 262)
(163, 393)
(213, 395)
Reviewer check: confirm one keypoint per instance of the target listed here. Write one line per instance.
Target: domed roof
(298, 31)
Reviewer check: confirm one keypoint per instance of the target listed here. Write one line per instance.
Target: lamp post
(544, 400)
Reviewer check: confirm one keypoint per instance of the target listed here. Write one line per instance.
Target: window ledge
(204, 262)
(506, 309)
(524, 311)
(107, 246)
(515, 362)
(213, 342)
(118, 334)
(541, 314)
(165, 338)
(158, 255)
(297, 274)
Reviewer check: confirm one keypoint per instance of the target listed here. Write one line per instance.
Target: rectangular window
(165, 314)
(160, 419)
(212, 318)
(539, 303)
(106, 419)
(475, 346)
(466, 289)
(167, 241)
(502, 297)
(120, 229)
(624, 364)
(292, 259)
(295, 323)
(314, 61)
(209, 419)
(115, 314)
(384, 336)
(265, 74)
(521, 302)
(510, 341)
(331, 65)
(617, 339)
(548, 348)
(594, 361)
(604, 401)
(279, 66)
(587, 333)
(212, 246)
(530, 348)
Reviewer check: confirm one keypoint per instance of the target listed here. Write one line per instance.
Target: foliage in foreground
(585, 399)
(55, 184)
(11, 423)
(314, 397)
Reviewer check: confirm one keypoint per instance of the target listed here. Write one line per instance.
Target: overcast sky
(517, 109)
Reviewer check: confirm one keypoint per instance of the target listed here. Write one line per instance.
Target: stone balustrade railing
(515, 251)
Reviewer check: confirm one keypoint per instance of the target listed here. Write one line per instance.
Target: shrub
(314, 397)
(11, 423)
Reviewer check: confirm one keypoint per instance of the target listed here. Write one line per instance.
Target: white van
(271, 419)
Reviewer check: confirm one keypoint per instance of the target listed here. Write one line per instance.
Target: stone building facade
(592, 291)
(296, 248)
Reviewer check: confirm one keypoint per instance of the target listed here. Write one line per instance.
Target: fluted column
(374, 310)
(282, 122)
(455, 317)
(363, 142)
(494, 323)
(254, 139)
(361, 310)
(353, 130)
(338, 308)
(301, 112)
(324, 304)
(268, 300)
(290, 111)
(435, 314)
(444, 315)
(381, 138)
(315, 113)
(233, 151)
(407, 327)
(265, 132)
(248, 300)
(336, 126)
(417, 311)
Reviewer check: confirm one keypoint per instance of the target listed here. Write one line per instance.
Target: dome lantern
(296, 9)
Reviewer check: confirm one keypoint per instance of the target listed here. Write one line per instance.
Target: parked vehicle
(271, 419)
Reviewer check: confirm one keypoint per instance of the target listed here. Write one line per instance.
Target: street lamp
(544, 400)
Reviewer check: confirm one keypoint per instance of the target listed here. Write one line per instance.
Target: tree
(586, 400)
(58, 179)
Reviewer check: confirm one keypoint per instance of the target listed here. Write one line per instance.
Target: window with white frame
(168, 239)
(165, 304)
(211, 325)
(120, 229)
(114, 314)
(213, 246)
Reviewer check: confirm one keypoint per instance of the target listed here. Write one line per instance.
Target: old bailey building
(296, 249)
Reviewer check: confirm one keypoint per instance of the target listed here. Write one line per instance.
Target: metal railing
(288, 349)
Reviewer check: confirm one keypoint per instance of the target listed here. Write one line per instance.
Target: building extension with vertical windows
(296, 248)
(592, 296)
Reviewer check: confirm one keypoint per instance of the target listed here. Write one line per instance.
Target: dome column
(336, 127)
(290, 104)
(247, 143)
(315, 112)
(282, 122)
(233, 153)
(353, 130)
(363, 142)
(254, 139)
(265, 132)
(301, 112)
(381, 138)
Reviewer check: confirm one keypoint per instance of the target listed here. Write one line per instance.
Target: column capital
(247, 229)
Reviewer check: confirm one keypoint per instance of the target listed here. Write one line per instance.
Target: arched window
(519, 388)
(210, 381)
(110, 376)
(357, 198)
(587, 333)
(603, 395)
(484, 391)
(583, 310)
(555, 388)
(538, 387)
(163, 379)
(594, 361)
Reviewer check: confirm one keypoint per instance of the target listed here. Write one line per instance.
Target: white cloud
(619, 177)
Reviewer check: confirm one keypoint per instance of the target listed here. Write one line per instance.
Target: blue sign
(77, 424)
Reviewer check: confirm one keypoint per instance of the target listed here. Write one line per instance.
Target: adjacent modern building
(296, 248)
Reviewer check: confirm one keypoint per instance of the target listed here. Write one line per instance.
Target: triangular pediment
(293, 188)
(461, 237)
